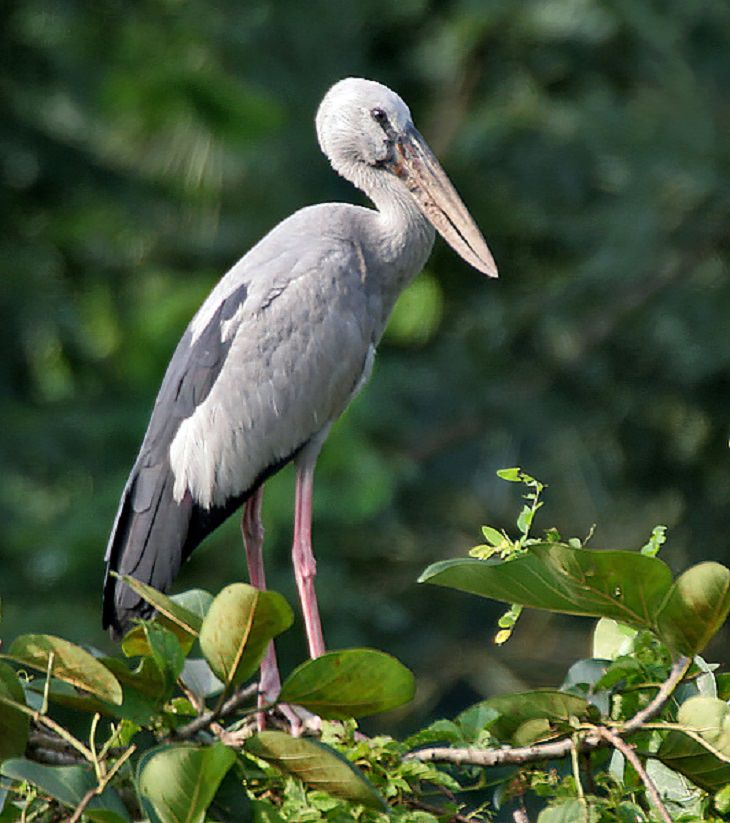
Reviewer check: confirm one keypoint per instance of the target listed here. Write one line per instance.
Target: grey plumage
(277, 350)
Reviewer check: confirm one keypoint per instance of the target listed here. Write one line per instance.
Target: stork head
(366, 131)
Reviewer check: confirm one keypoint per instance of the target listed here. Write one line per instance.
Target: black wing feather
(152, 533)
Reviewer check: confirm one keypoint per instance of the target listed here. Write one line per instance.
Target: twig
(627, 750)
(504, 756)
(237, 699)
(81, 808)
(47, 684)
(557, 749)
(195, 700)
(98, 768)
(574, 749)
(102, 784)
(437, 812)
(690, 732)
(108, 747)
(679, 669)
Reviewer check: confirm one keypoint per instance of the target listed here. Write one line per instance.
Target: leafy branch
(586, 740)
(173, 732)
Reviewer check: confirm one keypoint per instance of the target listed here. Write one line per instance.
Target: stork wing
(271, 358)
(148, 514)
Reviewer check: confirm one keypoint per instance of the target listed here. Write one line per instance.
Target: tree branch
(628, 752)
(593, 738)
(652, 709)
(102, 784)
(229, 706)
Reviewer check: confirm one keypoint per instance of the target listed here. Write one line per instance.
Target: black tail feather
(148, 542)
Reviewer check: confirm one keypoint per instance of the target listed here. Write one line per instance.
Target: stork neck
(406, 236)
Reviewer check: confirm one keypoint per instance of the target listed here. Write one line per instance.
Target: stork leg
(252, 530)
(305, 566)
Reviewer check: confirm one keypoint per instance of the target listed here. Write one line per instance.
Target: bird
(278, 350)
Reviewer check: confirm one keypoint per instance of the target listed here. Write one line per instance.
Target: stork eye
(379, 116)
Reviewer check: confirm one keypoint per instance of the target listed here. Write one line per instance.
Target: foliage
(639, 731)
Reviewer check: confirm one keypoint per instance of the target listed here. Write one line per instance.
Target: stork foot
(296, 720)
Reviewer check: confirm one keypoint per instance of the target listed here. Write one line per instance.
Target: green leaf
(683, 800)
(612, 639)
(68, 784)
(474, 720)
(145, 689)
(231, 804)
(264, 812)
(625, 586)
(64, 694)
(513, 475)
(723, 685)
(722, 800)
(238, 627)
(194, 601)
(316, 765)
(134, 642)
(657, 539)
(493, 537)
(146, 678)
(514, 710)
(14, 724)
(163, 650)
(70, 663)
(690, 758)
(175, 613)
(199, 678)
(349, 683)
(524, 521)
(570, 812)
(181, 781)
(172, 613)
(582, 679)
(709, 717)
(695, 608)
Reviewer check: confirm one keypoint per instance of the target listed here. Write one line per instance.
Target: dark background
(144, 146)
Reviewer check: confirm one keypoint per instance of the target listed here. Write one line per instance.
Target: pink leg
(253, 537)
(305, 566)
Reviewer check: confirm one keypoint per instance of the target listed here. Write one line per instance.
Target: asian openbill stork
(278, 350)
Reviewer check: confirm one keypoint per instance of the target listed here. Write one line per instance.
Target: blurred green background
(145, 145)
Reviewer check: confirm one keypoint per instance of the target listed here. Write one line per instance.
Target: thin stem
(116, 731)
(437, 812)
(98, 768)
(47, 684)
(67, 736)
(627, 750)
(574, 748)
(679, 669)
(690, 732)
(102, 784)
